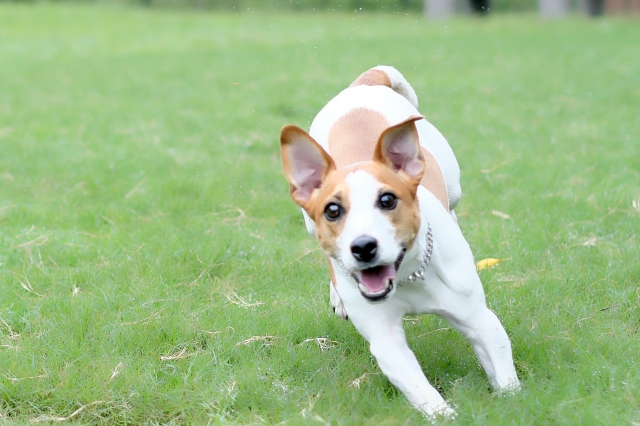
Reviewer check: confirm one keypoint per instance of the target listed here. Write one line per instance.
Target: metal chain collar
(428, 251)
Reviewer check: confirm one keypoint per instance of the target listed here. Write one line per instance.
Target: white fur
(396, 104)
(399, 84)
(450, 288)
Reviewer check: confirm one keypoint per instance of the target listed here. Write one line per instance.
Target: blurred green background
(154, 270)
(395, 6)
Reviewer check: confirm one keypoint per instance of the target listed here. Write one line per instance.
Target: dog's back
(349, 126)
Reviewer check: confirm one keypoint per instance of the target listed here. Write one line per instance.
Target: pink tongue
(375, 279)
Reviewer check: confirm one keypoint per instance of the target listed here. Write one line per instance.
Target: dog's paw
(511, 387)
(441, 411)
(336, 303)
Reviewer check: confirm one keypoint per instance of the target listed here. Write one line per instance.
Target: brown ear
(399, 149)
(305, 163)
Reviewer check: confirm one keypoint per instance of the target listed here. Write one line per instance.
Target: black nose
(364, 248)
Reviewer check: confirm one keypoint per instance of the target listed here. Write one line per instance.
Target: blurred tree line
(294, 5)
(333, 5)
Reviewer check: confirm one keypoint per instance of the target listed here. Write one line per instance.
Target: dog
(378, 185)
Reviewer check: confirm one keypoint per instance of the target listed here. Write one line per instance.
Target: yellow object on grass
(488, 262)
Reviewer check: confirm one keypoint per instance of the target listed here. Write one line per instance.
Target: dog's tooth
(362, 288)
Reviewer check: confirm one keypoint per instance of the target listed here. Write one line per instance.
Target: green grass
(143, 214)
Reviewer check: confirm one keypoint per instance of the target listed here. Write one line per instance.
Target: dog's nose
(364, 248)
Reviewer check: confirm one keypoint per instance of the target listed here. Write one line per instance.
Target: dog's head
(366, 215)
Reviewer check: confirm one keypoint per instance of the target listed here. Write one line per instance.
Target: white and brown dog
(377, 184)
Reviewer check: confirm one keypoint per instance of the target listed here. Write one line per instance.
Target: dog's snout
(364, 248)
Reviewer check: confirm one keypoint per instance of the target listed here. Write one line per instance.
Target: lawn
(153, 269)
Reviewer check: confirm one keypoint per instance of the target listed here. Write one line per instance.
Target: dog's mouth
(376, 283)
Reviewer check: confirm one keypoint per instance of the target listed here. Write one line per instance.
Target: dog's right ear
(305, 163)
(399, 149)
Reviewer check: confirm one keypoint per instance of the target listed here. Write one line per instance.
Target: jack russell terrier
(377, 184)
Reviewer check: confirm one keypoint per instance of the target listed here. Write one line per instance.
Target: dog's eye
(387, 201)
(333, 211)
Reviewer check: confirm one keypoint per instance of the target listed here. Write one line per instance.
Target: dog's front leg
(490, 343)
(399, 364)
(336, 302)
(334, 297)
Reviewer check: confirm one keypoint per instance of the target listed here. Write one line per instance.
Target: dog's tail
(383, 75)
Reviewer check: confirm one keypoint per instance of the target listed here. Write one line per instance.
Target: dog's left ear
(399, 149)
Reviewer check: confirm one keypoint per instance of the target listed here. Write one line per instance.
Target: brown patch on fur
(354, 136)
(372, 77)
(433, 180)
(353, 139)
